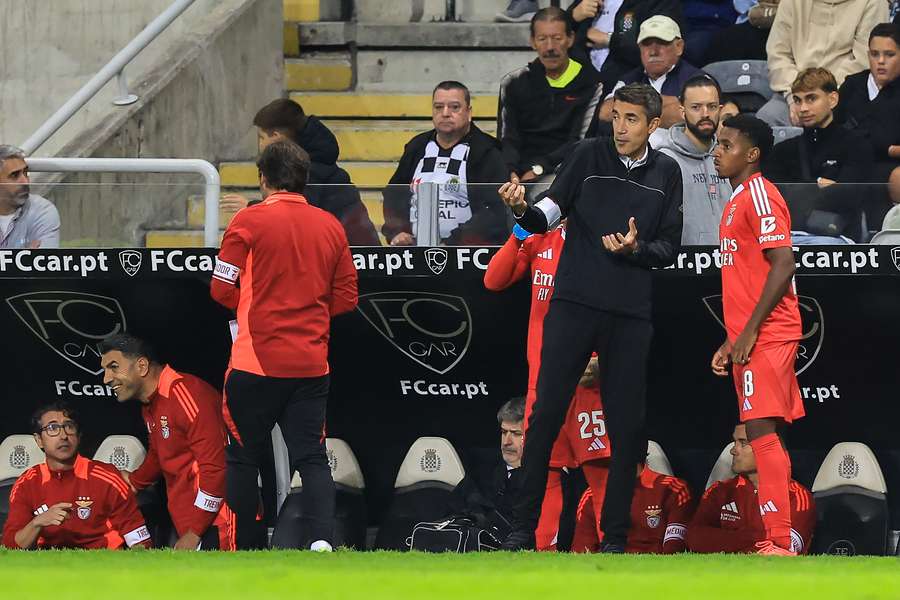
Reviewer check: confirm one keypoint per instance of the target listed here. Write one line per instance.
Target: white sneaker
(321, 546)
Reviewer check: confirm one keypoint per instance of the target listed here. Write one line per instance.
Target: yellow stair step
(362, 174)
(175, 238)
(301, 10)
(291, 40)
(318, 73)
(239, 174)
(385, 106)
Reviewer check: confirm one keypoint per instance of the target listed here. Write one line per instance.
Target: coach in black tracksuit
(602, 297)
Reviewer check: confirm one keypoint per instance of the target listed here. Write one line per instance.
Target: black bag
(456, 534)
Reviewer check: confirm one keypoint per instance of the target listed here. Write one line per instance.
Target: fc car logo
(70, 323)
(436, 258)
(434, 330)
(895, 255)
(130, 261)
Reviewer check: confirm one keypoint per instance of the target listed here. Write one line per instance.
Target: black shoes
(611, 548)
(518, 540)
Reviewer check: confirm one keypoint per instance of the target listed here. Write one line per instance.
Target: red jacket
(294, 268)
(728, 518)
(186, 446)
(104, 512)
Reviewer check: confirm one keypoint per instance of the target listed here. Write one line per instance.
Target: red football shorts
(767, 385)
(583, 435)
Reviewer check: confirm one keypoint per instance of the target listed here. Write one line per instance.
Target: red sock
(596, 472)
(548, 526)
(774, 471)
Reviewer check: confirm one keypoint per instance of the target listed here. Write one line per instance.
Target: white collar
(661, 77)
(740, 188)
(630, 163)
(872, 87)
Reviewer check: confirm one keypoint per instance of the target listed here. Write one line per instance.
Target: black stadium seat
(851, 504)
(350, 504)
(17, 454)
(429, 473)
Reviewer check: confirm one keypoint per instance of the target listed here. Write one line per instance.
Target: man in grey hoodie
(691, 144)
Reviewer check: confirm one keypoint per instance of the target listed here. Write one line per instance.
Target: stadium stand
(721, 470)
(17, 454)
(657, 459)
(350, 504)
(429, 473)
(851, 504)
(124, 452)
(744, 81)
(783, 133)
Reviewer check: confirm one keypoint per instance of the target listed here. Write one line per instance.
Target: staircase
(371, 82)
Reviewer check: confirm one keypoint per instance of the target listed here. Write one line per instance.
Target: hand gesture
(513, 195)
(622, 244)
(403, 239)
(588, 9)
(55, 515)
(232, 202)
(721, 359)
(743, 346)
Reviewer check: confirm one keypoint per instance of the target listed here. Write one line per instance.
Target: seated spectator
(824, 155)
(660, 512)
(285, 119)
(546, 106)
(606, 33)
(703, 20)
(815, 33)
(26, 220)
(691, 144)
(730, 108)
(746, 38)
(662, 68)
(870, 103)
(453, 154)
(70, 501)
(728, 516)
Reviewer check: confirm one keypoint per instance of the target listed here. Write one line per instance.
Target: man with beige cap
(661, 45)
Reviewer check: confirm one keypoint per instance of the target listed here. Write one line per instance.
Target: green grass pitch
(167, 575)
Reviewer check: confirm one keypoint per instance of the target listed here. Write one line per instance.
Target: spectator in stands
(660, 512)
(870, 103)
(831, 34)
(329, 186)
(452, 155)
(26, 220)
(186, 444)
(703, 20)
(691, 144)
(728, 516)
(70, 501)
(746, 38)
(546, 106)
(730, 109)
(606, 33)
(663, 68)
(824, 155)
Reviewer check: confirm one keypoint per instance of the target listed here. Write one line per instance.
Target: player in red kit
(582, 440)
(70, 501)
(762, 319)
(728, 519)
(186, 434)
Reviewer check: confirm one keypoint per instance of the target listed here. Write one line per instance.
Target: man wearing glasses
(70, 501)
(452, 155)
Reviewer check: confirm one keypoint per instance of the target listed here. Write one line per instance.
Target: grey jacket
(36, 221)
(705, 193)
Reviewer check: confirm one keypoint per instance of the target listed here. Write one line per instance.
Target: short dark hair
(754, 129)
(701, 80)
(512, 411)
(730, 99)
(642, 95)
(285, 165)
(56, 406)
(453, 85)
(130, 346)
(888, 30)
(553, 13)
(283, 115)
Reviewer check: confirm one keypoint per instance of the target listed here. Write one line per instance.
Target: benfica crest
(84, 507)
(164, 427)
(653, 516)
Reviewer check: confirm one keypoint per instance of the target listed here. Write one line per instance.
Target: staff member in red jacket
(70, 501)
(186, 435)
(286, 268)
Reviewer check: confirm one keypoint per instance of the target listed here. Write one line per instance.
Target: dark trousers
(571, 332)
(298, 406)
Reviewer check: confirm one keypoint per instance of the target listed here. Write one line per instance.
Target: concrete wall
(197, 101)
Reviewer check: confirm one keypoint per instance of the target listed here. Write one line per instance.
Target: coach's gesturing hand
(622, 244)
(513, 195)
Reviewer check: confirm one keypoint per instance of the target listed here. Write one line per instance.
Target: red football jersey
(755, 219)
(539, 255)
(187, 447)
(728, 518)
(104, 513)
(660, 512)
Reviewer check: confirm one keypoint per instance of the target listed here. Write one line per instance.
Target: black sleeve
(581, 128)
(488, 222)
(397, 195)
(662, 251)
(507, 125)
(859, 159)
(777, 168)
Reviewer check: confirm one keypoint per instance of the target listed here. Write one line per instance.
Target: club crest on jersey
(164, 427)
(895, 255)
(653, 519)
(84, 507)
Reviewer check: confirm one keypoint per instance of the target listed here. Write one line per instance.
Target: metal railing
(114, 68)
(147, 165)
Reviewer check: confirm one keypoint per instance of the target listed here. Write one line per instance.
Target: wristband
(520, 233)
